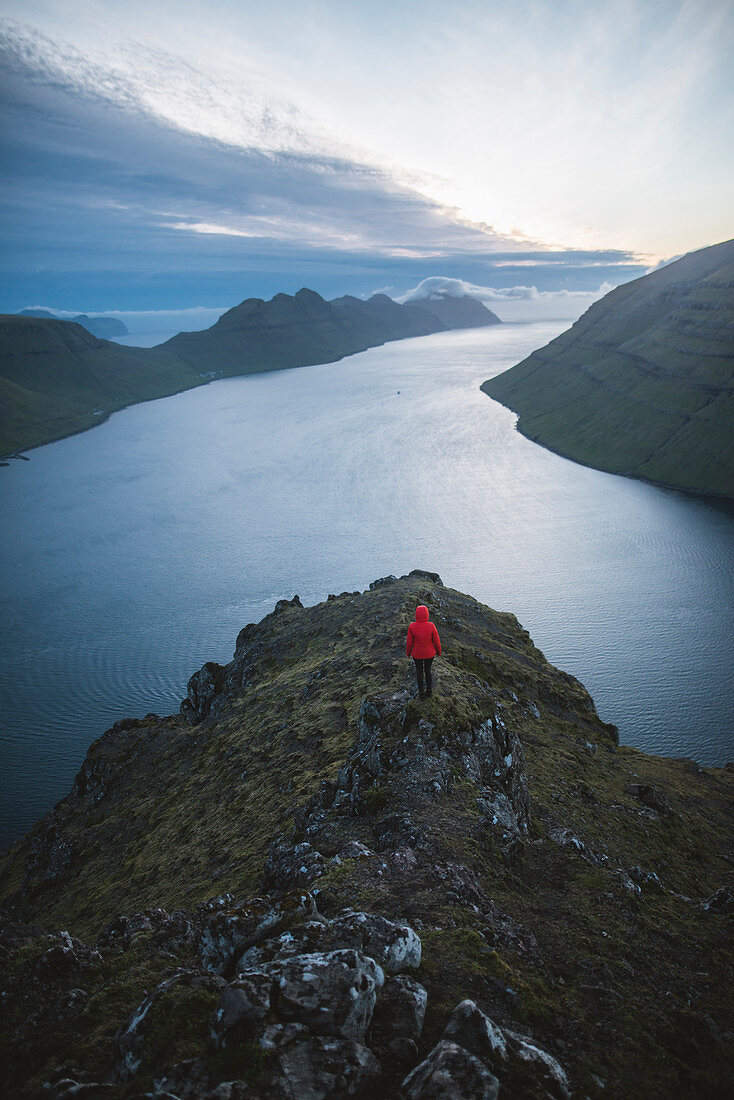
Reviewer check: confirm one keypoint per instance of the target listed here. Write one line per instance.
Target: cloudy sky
(187, 154)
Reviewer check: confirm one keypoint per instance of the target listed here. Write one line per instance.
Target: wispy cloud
(151, 176)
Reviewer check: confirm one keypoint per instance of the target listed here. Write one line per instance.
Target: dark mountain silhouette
(105, 327)
(292, 331)
(55, 378)
(458, 312)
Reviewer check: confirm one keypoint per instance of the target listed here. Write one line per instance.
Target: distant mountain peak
(103, 327)
(456, 310)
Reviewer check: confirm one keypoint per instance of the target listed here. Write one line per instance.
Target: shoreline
(604, 469)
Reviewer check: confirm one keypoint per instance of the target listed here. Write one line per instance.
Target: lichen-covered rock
(523, 1068)
(501, 817)
(187, 1080)
(450, 1073)
(130, 1041)
(287, 605)
(366, 762)
(65, 956)
(721, 902)
(333, 992)
(243, 1002)
(202, 689)
(165, 929)
(382, 581)
(473, 1030)
(304, 939)
(227, 1090)
(190, 1080)
(647, 879)
(326, 1067)
(423, 574)
(51, 854)
(277, 1037)
(400, 1010)
(394, 946)
(355, 849)
(532, 1072)
(67, 1088)
(230, 928)
(292, 865)
(650, 795)
(501, 763)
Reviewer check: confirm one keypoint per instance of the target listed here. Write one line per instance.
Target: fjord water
(133, 553)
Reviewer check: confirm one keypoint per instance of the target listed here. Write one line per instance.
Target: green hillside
(643, 383)
(57, 379)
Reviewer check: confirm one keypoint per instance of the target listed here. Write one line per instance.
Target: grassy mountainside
(643, 383)
(576, 890)
(56, 379)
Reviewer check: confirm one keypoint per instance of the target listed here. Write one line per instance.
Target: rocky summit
(312, 883)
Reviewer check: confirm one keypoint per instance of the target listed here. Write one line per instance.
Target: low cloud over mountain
(513, 303)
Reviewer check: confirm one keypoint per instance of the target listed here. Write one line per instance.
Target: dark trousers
(423, 669)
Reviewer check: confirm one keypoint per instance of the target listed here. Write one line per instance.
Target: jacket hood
(421, 614)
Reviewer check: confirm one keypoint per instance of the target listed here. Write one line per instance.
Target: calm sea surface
(134, 552)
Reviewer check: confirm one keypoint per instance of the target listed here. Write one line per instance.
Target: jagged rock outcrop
(313, 883)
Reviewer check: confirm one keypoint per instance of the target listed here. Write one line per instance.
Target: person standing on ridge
(423, 644)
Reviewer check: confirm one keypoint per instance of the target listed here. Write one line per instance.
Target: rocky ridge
(477, 895)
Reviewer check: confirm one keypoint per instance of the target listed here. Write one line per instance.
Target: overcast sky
(182, 153)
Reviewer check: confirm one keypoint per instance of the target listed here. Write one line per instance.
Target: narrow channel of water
(133, 553)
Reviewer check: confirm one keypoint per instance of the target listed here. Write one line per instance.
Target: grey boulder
(333, 993)
(450, 1073)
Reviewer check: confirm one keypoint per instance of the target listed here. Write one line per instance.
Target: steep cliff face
(643, 383)
(313, 883)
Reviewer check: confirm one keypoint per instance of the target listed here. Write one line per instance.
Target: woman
(423, 644)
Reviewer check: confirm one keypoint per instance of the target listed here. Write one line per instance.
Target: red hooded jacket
(423, 640)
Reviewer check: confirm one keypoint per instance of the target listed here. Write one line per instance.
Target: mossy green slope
(643, 383)
(57, 379)
(592, 935)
